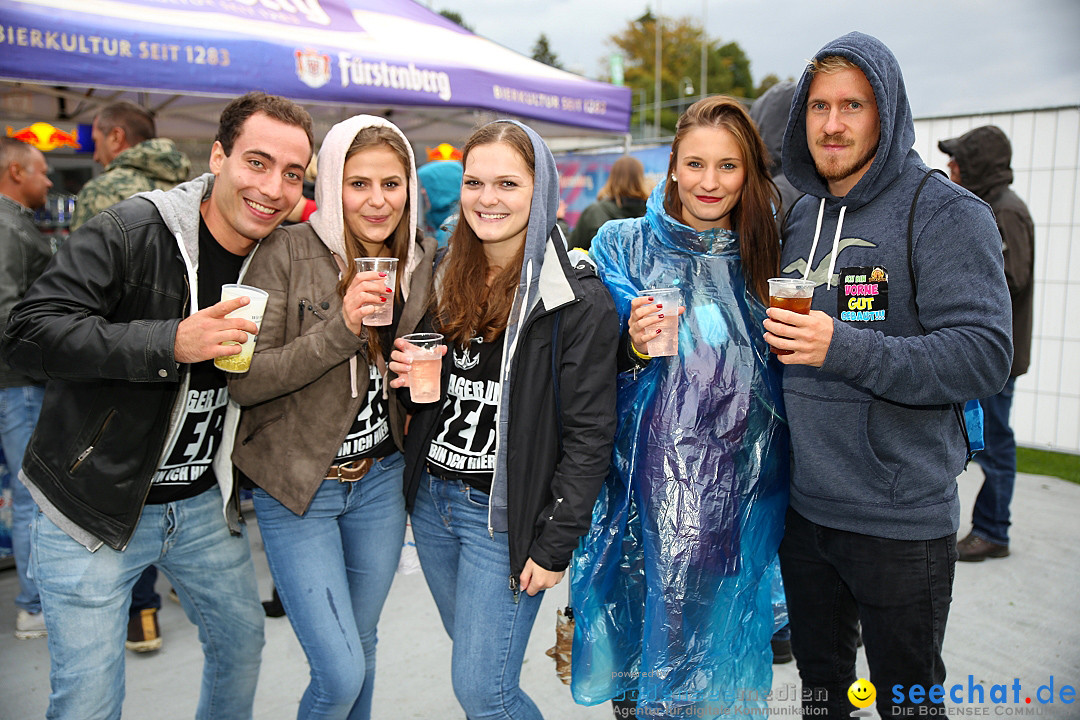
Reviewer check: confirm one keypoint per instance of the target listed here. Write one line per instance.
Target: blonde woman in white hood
(320, 436)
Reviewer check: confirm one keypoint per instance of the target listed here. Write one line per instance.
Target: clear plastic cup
(425, 384)
(793, 294)
(253, 311)
(666, 342)
(384, 311)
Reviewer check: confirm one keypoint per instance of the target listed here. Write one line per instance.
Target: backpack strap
(958, 408)
(910, 245)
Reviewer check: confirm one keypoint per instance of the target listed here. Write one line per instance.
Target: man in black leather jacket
(129, 463)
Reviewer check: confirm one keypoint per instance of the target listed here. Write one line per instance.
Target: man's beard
(834, 172)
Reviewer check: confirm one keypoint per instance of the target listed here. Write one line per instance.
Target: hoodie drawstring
(352, 361)
(813, 245)
(835, 243)
(835, 246)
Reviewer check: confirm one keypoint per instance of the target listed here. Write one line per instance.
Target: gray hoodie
(876, 444)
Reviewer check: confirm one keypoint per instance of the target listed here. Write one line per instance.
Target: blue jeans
(468, 569)
(900, 590)
(990, 519)
(85, 596)
(19, 409)
(332, 567)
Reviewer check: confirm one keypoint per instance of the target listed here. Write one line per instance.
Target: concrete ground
(1013, 618)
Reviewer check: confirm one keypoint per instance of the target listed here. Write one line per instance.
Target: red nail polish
(660, 315)
(658, 306)
(658, 331)
(382, 274)
(651, 300)
(382, 299)
(389, 291)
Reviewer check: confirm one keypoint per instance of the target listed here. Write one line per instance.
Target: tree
(728, 68)
(542, 52)
(455, 17)
(766, 82)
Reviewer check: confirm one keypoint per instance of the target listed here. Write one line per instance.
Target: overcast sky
(957, 56)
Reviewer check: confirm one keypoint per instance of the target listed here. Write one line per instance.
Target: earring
(673, 178)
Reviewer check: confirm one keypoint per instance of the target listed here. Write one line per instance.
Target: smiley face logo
(862, 693)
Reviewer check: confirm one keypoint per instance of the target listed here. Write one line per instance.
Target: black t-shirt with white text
(464, 445)
(369, 435)
(187, 470)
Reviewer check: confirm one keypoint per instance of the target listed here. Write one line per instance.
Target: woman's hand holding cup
(646, 317)
(364, 294)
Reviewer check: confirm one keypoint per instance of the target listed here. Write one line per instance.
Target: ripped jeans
(332, 567)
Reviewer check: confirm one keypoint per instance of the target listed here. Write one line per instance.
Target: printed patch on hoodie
(864, 294)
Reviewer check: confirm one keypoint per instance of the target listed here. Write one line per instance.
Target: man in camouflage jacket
(135, 160)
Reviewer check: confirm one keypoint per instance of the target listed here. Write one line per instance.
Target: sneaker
(30, 625)
(781, 650)
(143, 634)
(974, 549)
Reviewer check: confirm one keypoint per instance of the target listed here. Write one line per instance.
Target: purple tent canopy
(387, 54)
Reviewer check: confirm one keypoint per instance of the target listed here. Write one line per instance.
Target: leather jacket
(100, 323)
(297, 399)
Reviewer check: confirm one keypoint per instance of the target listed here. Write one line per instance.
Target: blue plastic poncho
(671, 599)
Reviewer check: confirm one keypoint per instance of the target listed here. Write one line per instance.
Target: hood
(684, 238)
(544, 271)
(157, 159)
(328, 220)
(441, 182)
(180, 210)
(770, 113)
(542, 224)
(984, 156)
(897, 126)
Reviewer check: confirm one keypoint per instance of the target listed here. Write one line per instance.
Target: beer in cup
(253, 311)
(425, 377)
(792, 294)
(384, 311)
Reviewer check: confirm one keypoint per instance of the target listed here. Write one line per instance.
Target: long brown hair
(626, 180)
(752, 217)
(467, 304)
(398, 241)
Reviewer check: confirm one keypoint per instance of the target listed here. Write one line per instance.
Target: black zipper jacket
(101, 324)
(558, 449)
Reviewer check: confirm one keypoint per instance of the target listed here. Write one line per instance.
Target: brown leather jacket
(297, 398)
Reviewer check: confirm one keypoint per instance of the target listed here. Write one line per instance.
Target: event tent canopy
(183, 58)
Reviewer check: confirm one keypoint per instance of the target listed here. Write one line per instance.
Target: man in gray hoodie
(130, 463)
(900, 334)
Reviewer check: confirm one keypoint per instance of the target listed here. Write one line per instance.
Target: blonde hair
(831, 64)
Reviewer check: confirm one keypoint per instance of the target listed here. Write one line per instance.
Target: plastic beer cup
(792, 294)
(666, 342)
(384, 311)
(253, 311)
(425, 377)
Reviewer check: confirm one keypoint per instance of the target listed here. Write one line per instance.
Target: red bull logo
(443, 151)
(45, 137)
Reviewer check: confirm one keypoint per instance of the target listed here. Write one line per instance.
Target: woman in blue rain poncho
(670, 595)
